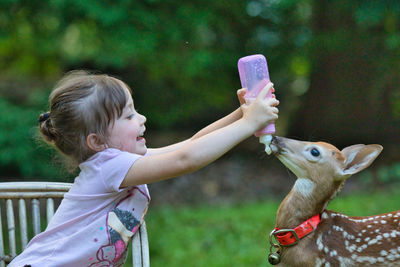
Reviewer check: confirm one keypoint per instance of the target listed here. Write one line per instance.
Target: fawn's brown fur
(338, 240)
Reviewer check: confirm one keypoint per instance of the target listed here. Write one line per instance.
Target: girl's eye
(130, 116)
(315, 152)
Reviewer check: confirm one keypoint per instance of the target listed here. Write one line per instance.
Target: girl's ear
(95, 143)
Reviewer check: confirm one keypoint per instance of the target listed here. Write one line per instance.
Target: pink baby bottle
(253, 72)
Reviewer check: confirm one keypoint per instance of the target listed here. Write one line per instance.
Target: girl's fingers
(273, 102)
(241, 95)
(242, 91)
(265, 91)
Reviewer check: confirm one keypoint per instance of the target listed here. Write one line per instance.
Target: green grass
(211, 236)
(235, 235)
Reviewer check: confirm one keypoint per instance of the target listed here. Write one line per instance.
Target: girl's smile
(140, 138)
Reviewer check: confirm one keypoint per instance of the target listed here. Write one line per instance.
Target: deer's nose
(278, 144)
(275, 144)
(276, 140)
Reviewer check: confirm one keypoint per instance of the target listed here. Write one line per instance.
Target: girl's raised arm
(234, 116)
(201, 151)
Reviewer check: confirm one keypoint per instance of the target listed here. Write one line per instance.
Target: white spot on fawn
(319, 243)
(319, 262)
(304, 186)
(344, 262)
(386, 235)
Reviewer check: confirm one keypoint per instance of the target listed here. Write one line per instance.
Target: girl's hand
(261, 111)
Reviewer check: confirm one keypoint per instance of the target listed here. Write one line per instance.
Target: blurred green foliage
(23, 154)
(383, 175)
(180, 59)
(184, 52)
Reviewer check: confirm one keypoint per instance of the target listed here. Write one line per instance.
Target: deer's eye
(315, 152)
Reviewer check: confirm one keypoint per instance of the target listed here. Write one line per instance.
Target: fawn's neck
(304, 201)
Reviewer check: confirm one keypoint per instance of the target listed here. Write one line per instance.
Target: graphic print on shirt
(122, 222)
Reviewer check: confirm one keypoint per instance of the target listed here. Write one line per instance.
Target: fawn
(308, 235)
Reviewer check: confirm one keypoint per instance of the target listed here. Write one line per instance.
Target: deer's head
(321, 164)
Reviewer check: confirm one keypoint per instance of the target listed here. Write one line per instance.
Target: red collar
(288, 237)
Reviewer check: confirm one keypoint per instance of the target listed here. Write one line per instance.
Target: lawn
(235, 235)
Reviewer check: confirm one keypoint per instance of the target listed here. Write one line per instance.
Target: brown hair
(80, 104)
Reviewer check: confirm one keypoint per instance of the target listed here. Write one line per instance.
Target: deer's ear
(359, 157)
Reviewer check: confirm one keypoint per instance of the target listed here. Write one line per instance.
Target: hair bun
(43, 117)
(46, 128)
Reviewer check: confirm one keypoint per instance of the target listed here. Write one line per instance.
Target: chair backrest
(13, 194)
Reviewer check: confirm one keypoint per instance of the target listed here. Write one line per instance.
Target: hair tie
(43, 117)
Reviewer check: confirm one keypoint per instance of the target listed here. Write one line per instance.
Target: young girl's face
(127, 131)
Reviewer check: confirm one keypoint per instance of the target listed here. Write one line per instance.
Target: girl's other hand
(241, 93)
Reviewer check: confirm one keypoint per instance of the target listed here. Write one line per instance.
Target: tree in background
(354, 93)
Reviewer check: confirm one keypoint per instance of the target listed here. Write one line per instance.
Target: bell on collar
(274, 258)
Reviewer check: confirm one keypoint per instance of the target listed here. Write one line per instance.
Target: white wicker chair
(12, 193)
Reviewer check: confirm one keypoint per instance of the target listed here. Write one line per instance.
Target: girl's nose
(143, 118)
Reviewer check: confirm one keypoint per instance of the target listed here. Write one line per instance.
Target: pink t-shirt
(95, 221)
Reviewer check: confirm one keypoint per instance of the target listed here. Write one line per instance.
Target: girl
(93, 121)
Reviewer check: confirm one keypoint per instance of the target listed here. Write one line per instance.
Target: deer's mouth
(277, 147)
